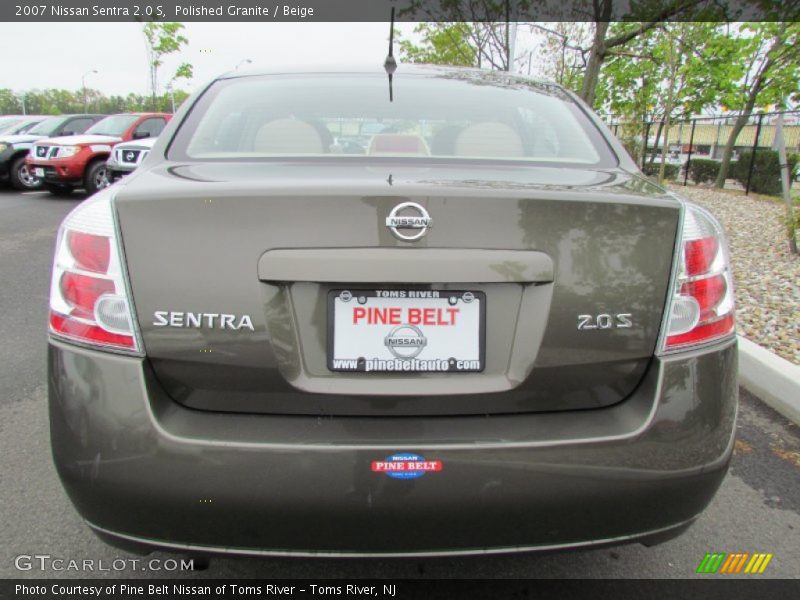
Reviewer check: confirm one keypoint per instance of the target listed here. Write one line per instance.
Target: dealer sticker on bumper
(406, 330)
(406, 466)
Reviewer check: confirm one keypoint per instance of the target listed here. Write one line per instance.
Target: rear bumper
(142, 469)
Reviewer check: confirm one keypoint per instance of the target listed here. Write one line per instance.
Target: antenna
(390, 64)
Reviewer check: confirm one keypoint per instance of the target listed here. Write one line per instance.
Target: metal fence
(704, 137)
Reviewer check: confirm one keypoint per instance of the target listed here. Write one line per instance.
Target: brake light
(89, 301)
(701, 308)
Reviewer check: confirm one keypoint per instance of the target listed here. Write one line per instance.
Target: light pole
(171, 95)
(83, 85)
(21, 96)
(245, 61)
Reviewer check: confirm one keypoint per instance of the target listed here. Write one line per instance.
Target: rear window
(453, 116)
(8, 124)
(47, 127)
(114, 126)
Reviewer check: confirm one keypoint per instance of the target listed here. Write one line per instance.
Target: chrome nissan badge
(409, 216)
(406, 341)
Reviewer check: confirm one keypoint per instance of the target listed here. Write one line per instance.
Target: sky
(57, 55)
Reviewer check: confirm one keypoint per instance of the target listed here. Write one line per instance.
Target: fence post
(753, 156)
(644, 143)
(689, 158)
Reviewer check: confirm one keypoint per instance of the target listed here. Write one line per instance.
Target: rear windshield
(462, 116)
(114, 126)
(27, 125)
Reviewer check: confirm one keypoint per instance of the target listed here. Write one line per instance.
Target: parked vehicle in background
(488, 332)
(14, 148)
(21, 125)
(11, 124)
(126, 158)
(66, 163)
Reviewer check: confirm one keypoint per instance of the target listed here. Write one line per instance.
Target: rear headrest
(489, 139)
(396, 143)
(288, 136)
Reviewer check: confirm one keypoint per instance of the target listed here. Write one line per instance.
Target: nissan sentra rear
(314, 310)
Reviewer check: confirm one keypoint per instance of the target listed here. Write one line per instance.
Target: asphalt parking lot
(757, 509)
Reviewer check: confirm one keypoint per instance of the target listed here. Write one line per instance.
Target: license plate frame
(473, 362)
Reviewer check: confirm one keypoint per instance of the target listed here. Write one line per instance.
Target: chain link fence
(702, 141)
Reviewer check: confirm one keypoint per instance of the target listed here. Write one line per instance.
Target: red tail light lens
(91, 252)
(88, 297)
(699, 254)
(701, 309)
(82, 292)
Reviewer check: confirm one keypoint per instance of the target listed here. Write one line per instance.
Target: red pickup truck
(66, 163)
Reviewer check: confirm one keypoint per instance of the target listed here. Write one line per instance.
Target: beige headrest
(287, 136)
(489, 139)
(397, 143)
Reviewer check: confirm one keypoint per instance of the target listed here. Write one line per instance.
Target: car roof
(137, 114)
(418, 70)
(77, 115)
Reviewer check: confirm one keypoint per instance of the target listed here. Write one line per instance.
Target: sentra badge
(168, 318)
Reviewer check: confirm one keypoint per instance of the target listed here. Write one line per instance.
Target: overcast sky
(56, 55)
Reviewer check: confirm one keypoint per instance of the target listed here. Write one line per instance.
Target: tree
(769, 63)
(670, 72)
(441, 44)
(651, 14)
(9, 102)
(485, 25)
(162, 39)
(563, 53)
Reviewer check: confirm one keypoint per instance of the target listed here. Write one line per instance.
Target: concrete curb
(773, 379)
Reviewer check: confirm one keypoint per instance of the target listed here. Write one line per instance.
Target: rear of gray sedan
(479, 330)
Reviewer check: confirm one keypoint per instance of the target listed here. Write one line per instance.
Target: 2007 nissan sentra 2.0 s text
(317, 321)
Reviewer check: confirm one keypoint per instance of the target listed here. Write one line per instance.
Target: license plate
(39, 172)
(406, 330)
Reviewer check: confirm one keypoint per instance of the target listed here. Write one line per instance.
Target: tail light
(89, 299)
(701, 307)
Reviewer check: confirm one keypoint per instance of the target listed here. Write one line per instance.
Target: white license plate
(406, 330)
(39, 172)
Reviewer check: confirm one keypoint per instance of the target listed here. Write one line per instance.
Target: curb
(773, 379)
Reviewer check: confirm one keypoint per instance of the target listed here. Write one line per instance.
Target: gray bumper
(140, 467)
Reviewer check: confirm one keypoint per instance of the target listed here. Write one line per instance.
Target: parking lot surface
(757, 509)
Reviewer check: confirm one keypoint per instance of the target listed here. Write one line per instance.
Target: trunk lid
(231, 266)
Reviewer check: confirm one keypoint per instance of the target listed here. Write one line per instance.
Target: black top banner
(406, 10)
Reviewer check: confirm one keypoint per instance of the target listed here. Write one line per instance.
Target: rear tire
(95, 179)
(58, 189)
(22, 178)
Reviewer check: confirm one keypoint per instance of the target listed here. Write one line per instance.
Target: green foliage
(441, 44)
(766, 171)
(670, 171)
(161, 40)
(56, 102)
(703, 170)
(695, 58)
(633, 145)
(766, 60)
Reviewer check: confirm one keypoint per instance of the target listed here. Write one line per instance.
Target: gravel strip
(767, 276)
